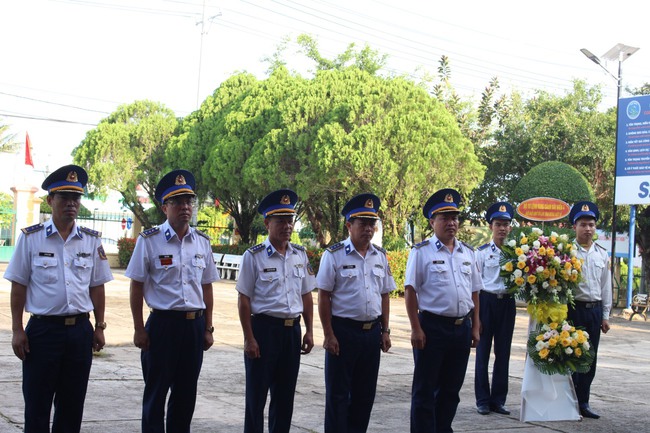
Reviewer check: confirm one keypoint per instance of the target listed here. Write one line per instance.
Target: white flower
(566, 327)
(568, 351)
(586, 345)
(554, 235)
(574, 253)
(547, 335)
(539, 269)
(541, 345)
(560, 247)
(564, 237)
(517, 273)
(545, 284)
(574, 272)
(525, 249)
(586, 334)
(557, 260)
(512, 243)
(522, 258)
(537, 230)
(537, 244)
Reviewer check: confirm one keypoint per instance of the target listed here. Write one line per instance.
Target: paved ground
(113, 404)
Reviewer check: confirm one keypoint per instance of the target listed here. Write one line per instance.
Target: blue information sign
(633, 151)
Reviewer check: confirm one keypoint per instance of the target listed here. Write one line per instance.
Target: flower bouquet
(560, 348)
(543, 270)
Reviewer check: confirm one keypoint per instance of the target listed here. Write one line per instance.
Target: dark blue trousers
(439, 374)
(351, 377)
(275, 371)
(497, 323)
(591, 319)
(172, 363)
(56, 369)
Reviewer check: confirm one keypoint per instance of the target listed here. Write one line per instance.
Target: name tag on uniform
(83, 255)
(165, 260)
(46, 254)
(438, 262)
(349, 266)
(467, 263)
(270, 269)
(377, 265)
(198, 256)
(299, 265)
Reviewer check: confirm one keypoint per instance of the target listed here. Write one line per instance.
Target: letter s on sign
(645, 189)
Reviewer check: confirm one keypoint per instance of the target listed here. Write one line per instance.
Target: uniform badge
(72, 177)
(101, 253)
(370, 204)
(585, 208)
(165, 260)
(310, 270)
(285, 200)
(180, 180)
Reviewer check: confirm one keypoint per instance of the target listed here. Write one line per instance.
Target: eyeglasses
(178, 202)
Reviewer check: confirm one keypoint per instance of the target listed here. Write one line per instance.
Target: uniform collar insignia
(348, 249)
(438, 244)
(168, 234)
(269, 250)
(49, 230)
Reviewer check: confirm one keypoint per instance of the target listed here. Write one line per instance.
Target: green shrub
(230, 249)
(397, 262)
(125, 248)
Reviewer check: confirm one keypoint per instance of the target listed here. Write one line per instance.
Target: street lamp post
(621, 53)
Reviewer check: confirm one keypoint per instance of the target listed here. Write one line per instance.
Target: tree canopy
(343, 132)
(127, 150)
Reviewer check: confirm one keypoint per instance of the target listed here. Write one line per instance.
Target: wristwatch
(100, 325)
(385, 331)
(210, 329)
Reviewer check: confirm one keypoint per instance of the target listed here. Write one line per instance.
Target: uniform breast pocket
(44, 270)
(269, 277)
(298, 272)
(83, 267)
(438, 273)
(492, 262)
(466, 272)
(598, 268)
(378, 272)
(348, 273)
(198, 263)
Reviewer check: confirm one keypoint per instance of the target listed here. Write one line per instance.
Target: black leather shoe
(586, 412)
(501, 409)
(483, 410)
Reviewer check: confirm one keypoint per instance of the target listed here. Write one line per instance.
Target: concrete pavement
(113, 403)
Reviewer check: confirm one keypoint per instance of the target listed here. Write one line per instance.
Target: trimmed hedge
(125, 248)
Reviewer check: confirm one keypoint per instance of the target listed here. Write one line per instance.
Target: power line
(53, 103)
(45, 119)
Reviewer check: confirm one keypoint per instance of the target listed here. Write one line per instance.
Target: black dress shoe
(483, 410)
(586, 412)
(501, 409)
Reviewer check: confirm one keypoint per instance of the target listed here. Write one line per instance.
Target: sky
(67, 64)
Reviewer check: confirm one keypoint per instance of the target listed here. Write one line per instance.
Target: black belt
(63, 320)
(497, 295)
(366, 326)
(444, 319)
(587, 305)
(178, 314)
(277, 320)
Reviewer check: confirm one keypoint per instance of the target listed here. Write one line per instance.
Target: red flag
(28, 151)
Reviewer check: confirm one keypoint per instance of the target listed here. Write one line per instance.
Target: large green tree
(342, 132)
(127, 150)
(553, 179)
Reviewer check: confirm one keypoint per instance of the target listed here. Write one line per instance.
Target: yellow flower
(519, 281)
(521, 265)
(541, 251)
(577, 352)
(552, 282)
(526, 269)
(523, 241)
(566, 342)
(574, 343)
(577, 266)
(553, 240)
(553, 325)
(567, 265)
(581, 337)
(540, 337)
(553, 272)
(552, 342)
(564, 334)
(519, 251)
(574, 278)
(546, 273)
(509, 267)
(550, 252)
(543, 353)
(532, 279)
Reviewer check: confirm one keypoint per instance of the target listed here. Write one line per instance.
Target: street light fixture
(621, 53)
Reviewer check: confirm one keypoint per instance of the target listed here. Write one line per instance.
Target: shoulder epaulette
(601, 247)
(150, 232)
(482, 247)
(471, 248)
(32, 229)
(91, 232)
(200, 233)
(298, 247)
(335, 247)
(256, 249)
(421, 244)
(379, 248)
